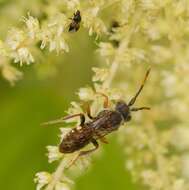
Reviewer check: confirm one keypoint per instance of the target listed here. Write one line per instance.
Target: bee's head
(77, 16)
(124, 110)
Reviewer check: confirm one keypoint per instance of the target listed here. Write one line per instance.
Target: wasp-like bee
(107, 121)
(75, 24)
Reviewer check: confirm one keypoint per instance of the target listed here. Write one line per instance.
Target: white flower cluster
(51, 33)
(157, 142)
(45, 180)
(147, 33)
(91, 21)
(42, 178)
(136, 35)
(19, 45)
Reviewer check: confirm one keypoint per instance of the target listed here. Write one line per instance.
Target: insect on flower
(75, 24)
(114, 25)
(98, 127)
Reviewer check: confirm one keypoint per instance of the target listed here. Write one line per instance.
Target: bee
(114, 25)
(75, 24)
(106, 122)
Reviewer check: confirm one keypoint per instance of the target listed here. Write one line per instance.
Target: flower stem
(58, 174)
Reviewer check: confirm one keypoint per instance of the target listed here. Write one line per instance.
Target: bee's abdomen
(76, 139)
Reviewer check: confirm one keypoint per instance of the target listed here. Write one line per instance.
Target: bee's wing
(98, 123)
(102, 118)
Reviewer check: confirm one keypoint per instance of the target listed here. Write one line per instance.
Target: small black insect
(114, 25)
(75, 24)
(105, 122)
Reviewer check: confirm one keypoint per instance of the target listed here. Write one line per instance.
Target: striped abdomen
(76, 139)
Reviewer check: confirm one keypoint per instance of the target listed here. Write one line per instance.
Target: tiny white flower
(60, 30)
(15, 38)
(52, 34)
(58, 45)
(92, 22)
(97, 27)
(32, 25)
(53, 153)
(45, 36)
(52, 45)
(100, 74)
(106, 49)
(42, 179)
(22, 55)
(86, 94)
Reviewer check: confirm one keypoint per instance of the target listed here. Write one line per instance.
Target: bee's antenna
(132, 101)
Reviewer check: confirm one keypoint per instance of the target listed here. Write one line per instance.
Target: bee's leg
(81, 115)
(104, 140)
(88, 110)
(82, 153)
(106, 100)
(96, 145)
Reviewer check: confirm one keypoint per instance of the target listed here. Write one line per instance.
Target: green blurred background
(41, 97)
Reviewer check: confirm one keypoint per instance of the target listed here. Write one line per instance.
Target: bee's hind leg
(95, 143)
(82, 153)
